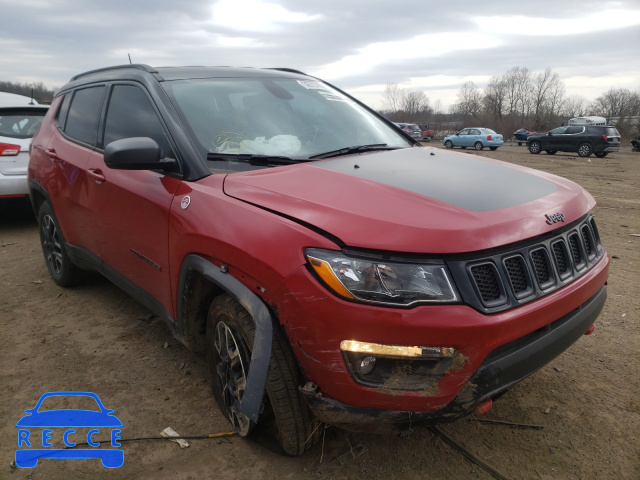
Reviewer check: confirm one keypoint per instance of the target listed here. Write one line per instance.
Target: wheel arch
(200, 282)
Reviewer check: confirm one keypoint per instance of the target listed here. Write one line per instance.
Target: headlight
(381, 281)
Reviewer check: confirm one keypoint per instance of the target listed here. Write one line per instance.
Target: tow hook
(484, 407)
(590, 330)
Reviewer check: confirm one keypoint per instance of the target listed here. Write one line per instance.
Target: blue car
(67, 420)
(477, 138)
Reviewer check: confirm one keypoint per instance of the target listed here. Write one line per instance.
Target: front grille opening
(589, 244)
(596, 234)
(542, 267)
(576, 251)
(516, 268)
(561, 257)
(488, 284)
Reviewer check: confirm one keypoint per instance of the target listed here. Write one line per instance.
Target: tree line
(40, 93)
(517, 99)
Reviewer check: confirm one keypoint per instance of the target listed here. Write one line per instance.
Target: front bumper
(502, 368)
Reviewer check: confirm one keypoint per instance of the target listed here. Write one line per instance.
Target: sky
(359, 46)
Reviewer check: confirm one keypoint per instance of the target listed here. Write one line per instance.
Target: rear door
(131, 207)
(64, 173)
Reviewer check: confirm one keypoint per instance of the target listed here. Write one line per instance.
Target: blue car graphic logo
(36, 429)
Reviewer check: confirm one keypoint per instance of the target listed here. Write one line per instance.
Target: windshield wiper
(254, 159)
(354, 149)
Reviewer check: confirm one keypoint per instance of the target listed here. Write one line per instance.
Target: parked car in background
(18, 123)
(583, 139)
(412, 129)
(428, 134)
(477, 138)
(521, 135)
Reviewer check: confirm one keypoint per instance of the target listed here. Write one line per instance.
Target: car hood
(416, 200)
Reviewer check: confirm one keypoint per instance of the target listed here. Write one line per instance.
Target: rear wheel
(551, 152)
(60, 267)
(535, 147)
(448, 144)
(285, 416)
(584, 150)
(478, 146)
(601, 154)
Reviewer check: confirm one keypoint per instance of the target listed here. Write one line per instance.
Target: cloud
(256, 15)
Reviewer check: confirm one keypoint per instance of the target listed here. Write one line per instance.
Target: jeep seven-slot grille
(487, 280)
(523, 273)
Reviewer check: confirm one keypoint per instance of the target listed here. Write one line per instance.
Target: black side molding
(259, 365)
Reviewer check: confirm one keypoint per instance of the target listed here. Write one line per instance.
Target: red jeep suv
(330, 267)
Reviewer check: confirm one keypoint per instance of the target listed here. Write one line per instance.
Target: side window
(131, 114)
(61, 114)
(475, 131)
(84, 114)
(558, 131)
(573, 130)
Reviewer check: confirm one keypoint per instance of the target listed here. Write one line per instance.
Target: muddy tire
(535, 147)
(63, 271)
(285, 417)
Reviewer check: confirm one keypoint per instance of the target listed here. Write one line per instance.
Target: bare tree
(574, 106)
(469, 100)
(415, 103)
(544, 92)
(392, 97)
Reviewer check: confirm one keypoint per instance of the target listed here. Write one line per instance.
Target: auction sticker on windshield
(53, 430)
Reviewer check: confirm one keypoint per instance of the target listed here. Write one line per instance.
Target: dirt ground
(95, 338)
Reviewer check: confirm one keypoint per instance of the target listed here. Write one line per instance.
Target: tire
(601, 154)
(60, 266)
(285, 416)
(535, 147)
(584, 150)
(551, 152)
(478, 146)
(519, 144)
(448, 144)
(493, 149)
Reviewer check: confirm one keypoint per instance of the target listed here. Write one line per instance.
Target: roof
(13, 99)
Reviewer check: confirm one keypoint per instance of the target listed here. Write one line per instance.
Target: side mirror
(137, 153)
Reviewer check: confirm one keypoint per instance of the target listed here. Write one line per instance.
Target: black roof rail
(138, 66)
(290, 70)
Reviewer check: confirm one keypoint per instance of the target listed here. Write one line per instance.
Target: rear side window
(84, 114)
(61, 114)
(131, 114)
(574, 130)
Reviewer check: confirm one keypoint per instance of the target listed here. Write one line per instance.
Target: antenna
(129, 55)
(31, 102)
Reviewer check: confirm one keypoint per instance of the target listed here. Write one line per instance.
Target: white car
(20, 118)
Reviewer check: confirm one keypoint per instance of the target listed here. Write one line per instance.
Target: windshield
(297, 119)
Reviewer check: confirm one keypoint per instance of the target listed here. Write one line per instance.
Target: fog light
(366, 365)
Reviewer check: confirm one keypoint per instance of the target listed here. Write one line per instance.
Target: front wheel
(584, 150)
(448, 144)
(535, 147)
(601, 154)
(60, 267)
(478, 146)
(285, 416)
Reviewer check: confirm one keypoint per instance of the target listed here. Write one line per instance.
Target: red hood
(420, 200)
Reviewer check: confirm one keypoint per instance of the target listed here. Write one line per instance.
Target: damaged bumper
(502, 368)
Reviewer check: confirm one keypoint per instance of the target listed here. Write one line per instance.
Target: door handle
(51, 153)
(96, 174)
